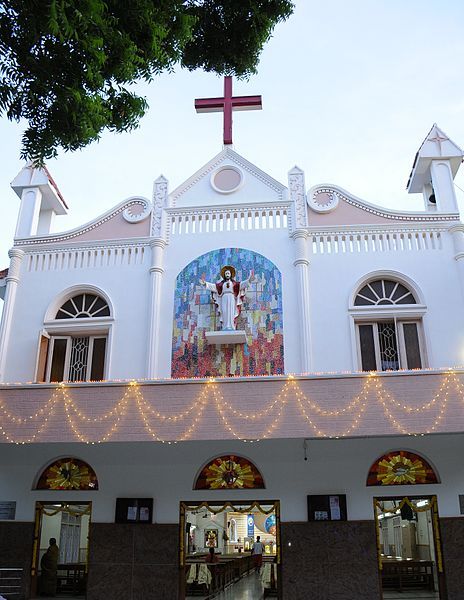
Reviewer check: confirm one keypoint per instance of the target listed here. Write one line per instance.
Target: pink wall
(116, 228)
(277, 400)
(346, 214)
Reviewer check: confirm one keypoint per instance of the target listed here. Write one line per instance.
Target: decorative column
(158, 245)
(457, 232)
(12, 280)
(301, 264)
(297, 196)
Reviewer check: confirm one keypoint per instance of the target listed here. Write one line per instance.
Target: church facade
(314, 334)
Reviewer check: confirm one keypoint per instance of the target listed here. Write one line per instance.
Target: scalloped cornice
(58, 238)
(230, 154)
(382, 212)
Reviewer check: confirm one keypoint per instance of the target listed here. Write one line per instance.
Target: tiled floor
(248, 588)
(410, 595)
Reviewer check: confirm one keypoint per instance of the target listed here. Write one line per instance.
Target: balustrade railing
(85, 258)
(187, 221)
(387, 241)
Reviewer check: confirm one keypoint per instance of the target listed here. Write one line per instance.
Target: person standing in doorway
(257, 553)
(49, 568)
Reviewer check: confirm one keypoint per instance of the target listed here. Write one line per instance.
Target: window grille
(79, 359)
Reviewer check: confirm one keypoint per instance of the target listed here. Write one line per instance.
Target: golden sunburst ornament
(68, 476)
(400, 469)
(229, 474)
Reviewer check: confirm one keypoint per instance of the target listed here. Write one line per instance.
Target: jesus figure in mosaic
(228, 296)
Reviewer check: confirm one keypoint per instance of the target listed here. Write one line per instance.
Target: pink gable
(115, 228)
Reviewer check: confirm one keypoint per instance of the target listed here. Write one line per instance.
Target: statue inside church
(228, 296)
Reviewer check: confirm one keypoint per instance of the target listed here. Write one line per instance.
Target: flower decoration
(401, 468)
(229, 472)
(68, 474)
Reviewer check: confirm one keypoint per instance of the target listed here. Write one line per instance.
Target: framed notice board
(327, 507)
(134, 510)
(7, 511)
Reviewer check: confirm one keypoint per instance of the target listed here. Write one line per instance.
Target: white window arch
(74, 344)
(387, 319)
(84, 306)
(383, 291)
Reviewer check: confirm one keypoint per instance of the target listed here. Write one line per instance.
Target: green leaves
(65, 64)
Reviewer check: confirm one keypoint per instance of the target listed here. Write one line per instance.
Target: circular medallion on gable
(323, 201)
(227, 179)
(137, 211)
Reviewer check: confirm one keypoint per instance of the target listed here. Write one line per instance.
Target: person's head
(52, 541)
(211, 551)
(228, 273)
(258, 538)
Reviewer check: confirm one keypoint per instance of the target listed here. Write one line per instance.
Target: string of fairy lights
(266, 421)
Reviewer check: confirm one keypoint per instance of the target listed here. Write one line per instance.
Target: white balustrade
(86, 258)
(362, 242)
(191, 221)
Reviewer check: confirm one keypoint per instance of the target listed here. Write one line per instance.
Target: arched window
(382, 292)
(68, 474)
(401, 467)
(73, 345)
(84, 306)
(388, 320)
(229, 472)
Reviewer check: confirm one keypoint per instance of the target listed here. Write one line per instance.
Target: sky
(350, 90)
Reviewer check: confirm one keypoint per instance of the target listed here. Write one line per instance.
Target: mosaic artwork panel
(401, 468)
(229, 472)
(261, 317)
(68, 474)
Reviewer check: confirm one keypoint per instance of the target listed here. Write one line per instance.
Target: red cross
(227, 104)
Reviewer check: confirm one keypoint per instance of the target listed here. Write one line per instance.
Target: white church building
(333, 400)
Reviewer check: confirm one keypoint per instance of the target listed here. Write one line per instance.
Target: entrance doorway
(68, 524)
(409, 549)
(216, 541)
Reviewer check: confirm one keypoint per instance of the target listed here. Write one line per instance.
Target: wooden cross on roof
(226, 105)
